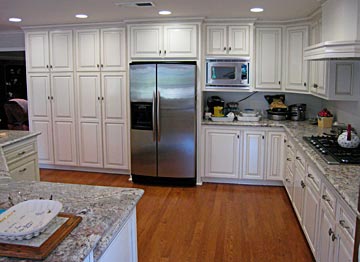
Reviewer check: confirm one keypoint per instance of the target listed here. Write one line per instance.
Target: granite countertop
(344, 178)
(7, 137)
(104, 210)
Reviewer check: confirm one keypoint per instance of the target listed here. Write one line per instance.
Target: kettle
(348, 139)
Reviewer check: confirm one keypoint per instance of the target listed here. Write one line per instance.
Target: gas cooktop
(329, 149)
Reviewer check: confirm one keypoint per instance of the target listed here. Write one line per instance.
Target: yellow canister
(218, 111)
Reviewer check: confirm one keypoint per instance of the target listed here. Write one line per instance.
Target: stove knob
(344, 160)
(317, 146)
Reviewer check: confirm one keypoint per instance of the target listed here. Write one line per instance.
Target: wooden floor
(209, 223)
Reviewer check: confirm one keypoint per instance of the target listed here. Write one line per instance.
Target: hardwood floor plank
(209, 223)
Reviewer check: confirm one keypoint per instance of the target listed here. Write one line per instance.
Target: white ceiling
(50, 12)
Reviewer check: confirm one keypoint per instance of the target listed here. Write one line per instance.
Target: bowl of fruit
(325, 118)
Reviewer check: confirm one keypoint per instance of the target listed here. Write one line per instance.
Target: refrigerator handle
(158, 115)
(153, 116)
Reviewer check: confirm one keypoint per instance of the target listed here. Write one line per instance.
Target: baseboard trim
(242, 181)
(86, 169)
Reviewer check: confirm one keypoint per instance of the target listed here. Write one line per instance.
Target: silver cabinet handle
(22, 170)
(21, 153)
(158, 115)
(153, 115)
(343, 224)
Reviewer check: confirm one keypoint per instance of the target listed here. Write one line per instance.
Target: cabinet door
(344, 247)
(296, 69)
(268, 58)
(37, 51)
(40, 114)
(216, 42)
(298, 193)
(62, 86)
(113, 49)
(89, 117)
(253, 155)
(87, 50)
(114, 120)
(25, 169)
(146, 42)
(180, 41)
(326, 230)
(317, 77)
(275, 156)
(239, 40)
(222, 153)
(61, 51)
(310, 216)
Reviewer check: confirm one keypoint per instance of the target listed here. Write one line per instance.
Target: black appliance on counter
(214, 101)
(329, 149)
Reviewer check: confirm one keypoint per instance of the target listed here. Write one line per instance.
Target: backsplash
(258, 102)
(345, 112)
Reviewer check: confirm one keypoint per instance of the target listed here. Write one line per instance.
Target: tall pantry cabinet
(101, 93)
(49, 62)
(77, 96)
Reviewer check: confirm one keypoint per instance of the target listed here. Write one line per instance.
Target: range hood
(340, 32)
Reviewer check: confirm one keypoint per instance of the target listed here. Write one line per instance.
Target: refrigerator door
(143, 129)
(176, 120)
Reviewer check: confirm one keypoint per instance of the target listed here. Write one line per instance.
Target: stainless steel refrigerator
(163, 121)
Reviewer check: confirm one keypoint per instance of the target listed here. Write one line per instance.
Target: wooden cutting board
(41, 252)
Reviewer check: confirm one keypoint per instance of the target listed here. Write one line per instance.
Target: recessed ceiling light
(164, 12)
(15, 19)
(257, 10)
(81, 16)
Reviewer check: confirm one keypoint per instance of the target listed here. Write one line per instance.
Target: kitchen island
(107, 213)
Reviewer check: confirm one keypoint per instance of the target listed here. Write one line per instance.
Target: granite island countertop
(104, 210)
(344, 178)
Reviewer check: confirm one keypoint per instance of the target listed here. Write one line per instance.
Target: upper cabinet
(49, 51)
(296, 69)
(163, 41)
(100, 49)
(268, 58)
(228, 40)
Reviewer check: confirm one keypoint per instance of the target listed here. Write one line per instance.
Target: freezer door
(143, 129)
(176, 124)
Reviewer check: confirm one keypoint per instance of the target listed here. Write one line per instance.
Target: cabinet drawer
(19, 151)
(300, 160)
(26, 169)
(290, 146)
(346, 221)
(313, 178)
(329, 200)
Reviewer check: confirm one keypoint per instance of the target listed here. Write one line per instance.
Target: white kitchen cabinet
(299, 190)
(228, 40)
(335, 79)
(288, 181)
(49, 51)
(253, 155)
(326, 236)
(296, 69)
(311, 213)
(274, 155)
(102, 123)
(222, 153)
(100, 49)
(21, 159)
(268, 58)
(163, 41)
(51, 109)
(344, 247)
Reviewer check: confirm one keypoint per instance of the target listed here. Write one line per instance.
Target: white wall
(12, 41)
(346, 112)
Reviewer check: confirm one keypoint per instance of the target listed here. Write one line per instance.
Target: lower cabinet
(326, 236)
(299, 190)
(242, 154)
(222, 153)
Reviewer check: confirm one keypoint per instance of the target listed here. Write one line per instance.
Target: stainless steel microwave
(224, 73)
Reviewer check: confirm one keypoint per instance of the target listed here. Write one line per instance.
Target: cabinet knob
(343, 224)
(304, 83)
(288, 146)
(333, 237)
(326, 198)
(164, 52)
(159, 52)
(224, 48)
(315, 86)
(330, 231)
(22, 170)
(279, 82)
(52, 98)
(51, 66)
(99, 98)
(263, 137)
(102, 65)
(288, 159)
(21, 153)
(229, 48)
(49, 98)
(238, 136)
(102, 98)
(47, 66)
(311, 176)
(302, 184)
(287, 180)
